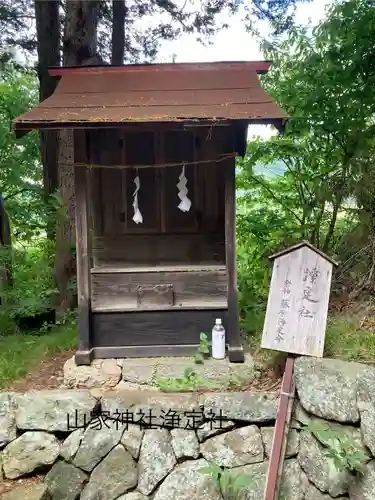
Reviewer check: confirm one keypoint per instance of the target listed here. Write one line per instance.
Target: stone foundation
(144, 373)
(138, 445)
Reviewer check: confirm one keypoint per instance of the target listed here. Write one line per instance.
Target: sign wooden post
(296, 320)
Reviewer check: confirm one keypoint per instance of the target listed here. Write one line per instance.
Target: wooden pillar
(81, 176)
(235, 349)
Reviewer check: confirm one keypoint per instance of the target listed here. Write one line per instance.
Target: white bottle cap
(218, 321)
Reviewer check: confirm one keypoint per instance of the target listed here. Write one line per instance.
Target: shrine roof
(88, 96)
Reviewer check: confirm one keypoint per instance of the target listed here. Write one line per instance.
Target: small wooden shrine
(154, 154)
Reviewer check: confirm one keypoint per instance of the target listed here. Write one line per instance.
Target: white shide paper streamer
(137, 217)
(182, 192)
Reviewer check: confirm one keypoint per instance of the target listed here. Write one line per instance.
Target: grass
(21, 352)
(348, 339)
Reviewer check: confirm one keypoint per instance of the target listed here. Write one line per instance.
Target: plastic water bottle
(218, 340)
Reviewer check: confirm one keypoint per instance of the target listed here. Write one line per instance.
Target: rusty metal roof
(89, 96)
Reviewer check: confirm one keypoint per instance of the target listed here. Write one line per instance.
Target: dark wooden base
(151, 334)
(155, 351)
(153, 328)
(84, 357)
(236, 354)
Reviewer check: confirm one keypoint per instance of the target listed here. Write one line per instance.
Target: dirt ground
(46, 375)
(8, 485)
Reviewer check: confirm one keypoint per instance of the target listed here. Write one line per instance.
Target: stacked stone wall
(138, 445)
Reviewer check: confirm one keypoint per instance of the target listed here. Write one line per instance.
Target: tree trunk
(79, 44)
(371, 278)
(6, 274)
(332, 223)
(315, 235)
(118, 32)
(48, 34)
(80, 33)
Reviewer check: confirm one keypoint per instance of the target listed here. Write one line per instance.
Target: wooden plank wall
(113, 188)
(153, 249)
(156, 290)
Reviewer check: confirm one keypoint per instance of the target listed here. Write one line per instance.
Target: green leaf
(204, 349)
(244, 481)
(205, 470)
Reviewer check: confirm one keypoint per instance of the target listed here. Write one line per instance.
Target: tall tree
(80, 31)
(80, 44)
(118, 31)
(47, 19)
(324, 79)
(21, 206)
(17, 27)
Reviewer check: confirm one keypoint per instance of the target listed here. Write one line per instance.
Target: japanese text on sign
(309, 278)
(284, 307)
(192, 419)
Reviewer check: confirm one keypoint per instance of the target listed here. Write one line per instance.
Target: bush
(33, 285)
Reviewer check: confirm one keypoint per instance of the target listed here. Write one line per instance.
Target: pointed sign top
(303, 243)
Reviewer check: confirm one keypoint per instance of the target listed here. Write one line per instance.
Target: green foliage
(190, 381)
(339, 447)
(33, 281)
(229, 483)
(325, 81)
(203, 349)
(28, 209)
(21, 175)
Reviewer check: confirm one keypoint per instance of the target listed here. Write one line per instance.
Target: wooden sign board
(297, 308)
